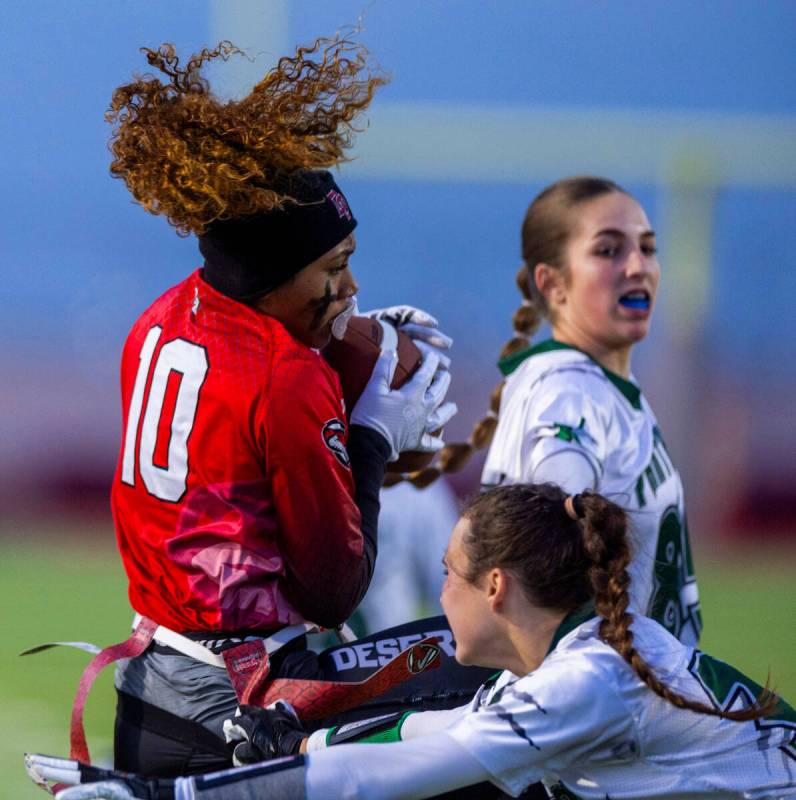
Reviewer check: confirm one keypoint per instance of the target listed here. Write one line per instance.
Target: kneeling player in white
(592, 700)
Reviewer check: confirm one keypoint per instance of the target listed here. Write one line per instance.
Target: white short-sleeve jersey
(557, 399)
(584, 723)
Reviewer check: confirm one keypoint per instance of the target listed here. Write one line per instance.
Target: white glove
(404, 416)
(414, 322)
(425, 349)
(436, 421)
(94, 783)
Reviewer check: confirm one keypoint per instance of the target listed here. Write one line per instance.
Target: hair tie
(490, 414)
(573, 505)
(526, 302)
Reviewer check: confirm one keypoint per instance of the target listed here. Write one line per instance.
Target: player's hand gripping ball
(353, 358)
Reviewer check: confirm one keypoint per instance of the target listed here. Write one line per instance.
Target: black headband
(248, 257)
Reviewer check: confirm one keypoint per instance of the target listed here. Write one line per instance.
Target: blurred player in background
(414, 526)
(595, 701)
(570, 411)
(244, 503)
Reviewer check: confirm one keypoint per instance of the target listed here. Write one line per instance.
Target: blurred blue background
(692, 106)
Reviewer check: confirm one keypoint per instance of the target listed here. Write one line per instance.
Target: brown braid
(605, 540)
(187, 155)
(561, 563)
(453, 457)
(546, 229)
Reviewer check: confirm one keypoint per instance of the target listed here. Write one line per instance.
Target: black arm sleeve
(328, 585)
(368, 451)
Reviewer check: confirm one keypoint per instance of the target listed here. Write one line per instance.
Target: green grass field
(58, 586)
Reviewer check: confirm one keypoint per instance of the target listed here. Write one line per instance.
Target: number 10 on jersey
(172, 397)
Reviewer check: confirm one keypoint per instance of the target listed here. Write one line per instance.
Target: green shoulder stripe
(627, 388)
(569, 434)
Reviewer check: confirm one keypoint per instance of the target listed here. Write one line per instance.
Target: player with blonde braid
(592, 700)
(570, 410)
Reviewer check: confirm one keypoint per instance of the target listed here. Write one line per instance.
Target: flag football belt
(213, 654)
(243, 662)
(248, 667)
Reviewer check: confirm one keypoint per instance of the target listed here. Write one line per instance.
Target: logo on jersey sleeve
(332, 433)
(569, 434)
(421, 657)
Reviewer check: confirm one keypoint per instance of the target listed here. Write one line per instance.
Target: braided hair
(195, 159)
(547, 228)
(561, 563)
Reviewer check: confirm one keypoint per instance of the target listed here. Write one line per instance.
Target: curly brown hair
(195, 159)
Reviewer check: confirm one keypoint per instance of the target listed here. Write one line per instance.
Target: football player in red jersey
(246, 494)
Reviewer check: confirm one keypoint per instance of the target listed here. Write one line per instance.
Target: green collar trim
(628, 389)
(508, 364)
(570, 622)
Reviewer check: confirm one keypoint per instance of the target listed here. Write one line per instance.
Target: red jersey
(233, 495)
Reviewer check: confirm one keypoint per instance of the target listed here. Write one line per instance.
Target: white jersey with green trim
(585, 725)
(559, 401)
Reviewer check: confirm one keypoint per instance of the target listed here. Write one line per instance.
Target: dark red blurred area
(765, 511)
(76, 493)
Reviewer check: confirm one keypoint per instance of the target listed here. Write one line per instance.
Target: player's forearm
(412, 770)
(331, 577)
(425, 723)
(284, 779)
(368, 451)
(408, 770)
